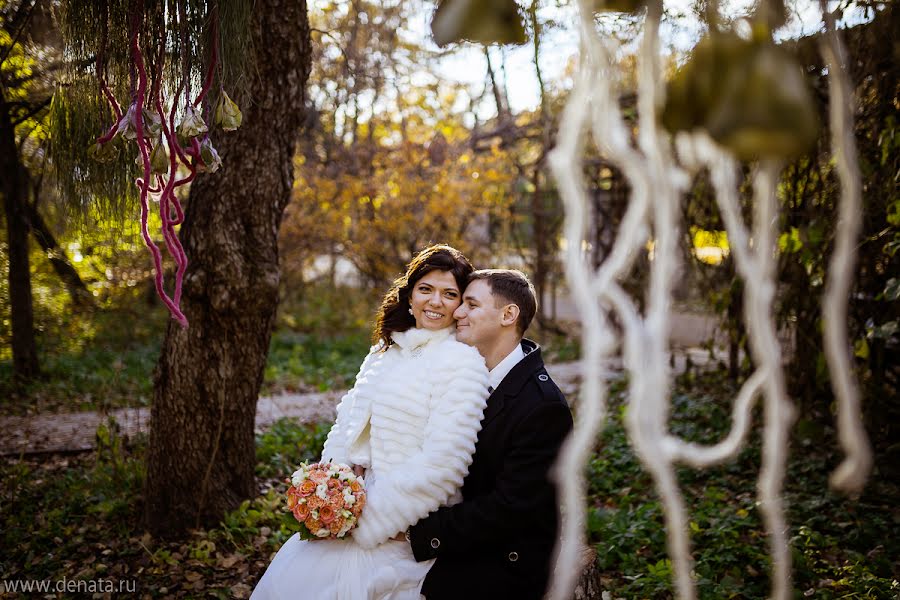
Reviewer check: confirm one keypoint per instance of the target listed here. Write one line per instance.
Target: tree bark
(12, 185)
(201, 454)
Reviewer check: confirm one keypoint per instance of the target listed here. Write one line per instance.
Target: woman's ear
(510, 315)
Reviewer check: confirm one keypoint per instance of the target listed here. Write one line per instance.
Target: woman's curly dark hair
(394, 312)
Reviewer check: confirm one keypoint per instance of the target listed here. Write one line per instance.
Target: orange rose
(326, 514)
(315, 502)
(334, 484)
(355, 487)
(313, 525)
(318, 475)
(307, 488)
(301, 512)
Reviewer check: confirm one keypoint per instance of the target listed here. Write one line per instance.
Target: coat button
(435, 543)
(513, 556)
(543, 377)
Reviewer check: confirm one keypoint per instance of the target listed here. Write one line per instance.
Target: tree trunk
(12, 185)
(201, 454)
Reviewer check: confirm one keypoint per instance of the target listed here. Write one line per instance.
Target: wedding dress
(412, 419)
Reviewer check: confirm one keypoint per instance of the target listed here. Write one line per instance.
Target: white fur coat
(412, 418)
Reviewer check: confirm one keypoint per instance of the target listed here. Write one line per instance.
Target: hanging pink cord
(171, 211)
(168, 195)
(144, 183)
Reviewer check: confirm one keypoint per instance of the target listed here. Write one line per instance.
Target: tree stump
(588, 587)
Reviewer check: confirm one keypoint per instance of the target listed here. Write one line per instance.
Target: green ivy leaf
(789, 241)
(893, 214)
(892, 289)
(885, 330)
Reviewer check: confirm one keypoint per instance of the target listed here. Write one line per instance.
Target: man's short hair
(510, 286)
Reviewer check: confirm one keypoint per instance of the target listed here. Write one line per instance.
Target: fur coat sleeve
(433, 473)
(352, 415)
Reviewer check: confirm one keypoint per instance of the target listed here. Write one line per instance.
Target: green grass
(91, 361)
(301, 362)
(106, 361)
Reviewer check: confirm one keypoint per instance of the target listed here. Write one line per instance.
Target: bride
(411, 421)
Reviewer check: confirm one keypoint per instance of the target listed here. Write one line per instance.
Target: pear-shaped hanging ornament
(104, 153)
(624, 6)
(209, 157)
(228, 114)
(192, 124)
(159, 157)
(152, 124)
(483, 21)
(749, 95)
(127, 126)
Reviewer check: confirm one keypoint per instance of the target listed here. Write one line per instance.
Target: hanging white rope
(657, 184)
(851, 474)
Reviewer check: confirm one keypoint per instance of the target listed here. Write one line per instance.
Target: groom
(498, 542)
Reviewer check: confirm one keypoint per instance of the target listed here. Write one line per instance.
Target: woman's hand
(359, 471)
(403, 536)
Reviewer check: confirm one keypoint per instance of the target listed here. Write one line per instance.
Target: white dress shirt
(496, 375)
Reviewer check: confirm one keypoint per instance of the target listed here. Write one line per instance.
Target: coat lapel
(495, 403)
(513, 381)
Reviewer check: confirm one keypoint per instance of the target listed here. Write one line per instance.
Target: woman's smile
(433, 299)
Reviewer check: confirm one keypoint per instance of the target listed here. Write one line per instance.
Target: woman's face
(433, 299)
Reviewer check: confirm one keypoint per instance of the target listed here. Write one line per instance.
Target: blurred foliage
(842, 547)
(375, 186)
(90, 361)
(176, 40)
(809, 192)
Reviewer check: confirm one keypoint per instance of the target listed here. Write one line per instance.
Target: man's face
(478, 320)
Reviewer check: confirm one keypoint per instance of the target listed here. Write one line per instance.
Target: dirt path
(76, 432)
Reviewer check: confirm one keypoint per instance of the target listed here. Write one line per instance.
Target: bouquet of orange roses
(326, 498)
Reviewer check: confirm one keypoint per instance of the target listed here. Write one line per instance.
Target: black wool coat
(498, 542)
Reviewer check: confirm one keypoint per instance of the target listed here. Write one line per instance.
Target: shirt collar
(496, 375)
